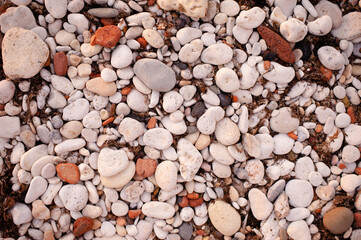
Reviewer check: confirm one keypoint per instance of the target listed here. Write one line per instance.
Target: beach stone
(192, 8)
(64, 38)
(107, 36)
(187, 34)
(342, 120)
(32, 155)
(120, 179)
(241, 34)
(131, 129)
(300, 193)
(286, 6)
(103, 12)
(7, 91)
(121, 57)
(160, 210)
(350, 28)
(255, 171)
(224, 217)
(293, 30)
(79, 21)
(71, 129)
(325, 193)
(68, 172)
(191, 52)
(37, 187)
(185, 231)
(260, 206)
(120, 208)
(92, 120)
(330, 57)
(62, 84)
(230, 7)
(172, 100)
(24, 53)
(60, 64)
(297, 214)
(352, 133)
(158, 138)
(137, 101)
(189, 158)
(112, 162)
(69, 145)
(17, 17)
(220, 153)
(89, 50)
(299, 230)
(279, 73)
(338, 220)
(282, 144)
(20, 213)
(153, 38)
(221, 170)
(321, 26)
(227, 80)
(283, 122)
(166, 175)
(74, 196)
(251, 18)
(277, 44)
(145, 167)
(332, 10)
(155, 74)
(82, 225)
(76, 110)
(227, 132)
(350, 182)
(304, 166)
(99, 86)
(276, 189)
(217, 54)
(40, 211)
(350, 154)
(57, 8)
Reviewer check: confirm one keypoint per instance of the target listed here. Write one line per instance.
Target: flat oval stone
(300, 193)
(350, 27)
(217, 54)
(260, 206)
(112, 162)
(338, 220)
(32, 155)
(74, 196)
(159, 210)
(99, 86)
(158, 138)
(60, 63)
(37, 187)
(166, 175)
(224, 217)
(121, 179)
(155, 74)
(103, 12)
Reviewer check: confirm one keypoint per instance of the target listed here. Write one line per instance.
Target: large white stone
(224, 217)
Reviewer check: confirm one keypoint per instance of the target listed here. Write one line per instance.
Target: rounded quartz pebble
(108, 229)
(157, 209)
(227, 80)
(21, 213)
(108, 75)
(166, 175)
(230, 7)
(120, 208)
(224, 217)
(300, 193)
(227, 132)
(342, 120)
(82, 225)
(68, 172)
(338, 220)
(330, 57)
(217, 54)
(7, 91)
(120, 179)
(350, 154)
(112, 162)
(293, 30)
(74, 196)
(158, 138)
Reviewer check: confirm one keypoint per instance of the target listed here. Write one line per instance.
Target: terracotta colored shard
(82, 225)
(277, 44)
(133, 214)
(327, 73)
(68, 172)
(145, 167)
(60, 63)
(107, 36)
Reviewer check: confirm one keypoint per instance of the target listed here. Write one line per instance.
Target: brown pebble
(338, 220)
(133, 214)
(82, 225)
(357, 217)
(60, 63)
(145, 167)
(68, 172)
(48, 235)
(107, 36)
(277, 44)
(195, 202)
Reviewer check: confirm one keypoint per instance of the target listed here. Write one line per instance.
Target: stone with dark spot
(198, 109)
(224, 99)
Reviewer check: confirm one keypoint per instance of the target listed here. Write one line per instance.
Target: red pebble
(357, 216)
(82, 225)
(145, 167)
(60, 63)
(68, 172)
(107, 36)
(195, 202)
(133, 214)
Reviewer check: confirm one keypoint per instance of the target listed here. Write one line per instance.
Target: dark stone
(198, 109)
(181, 65)
(180, 23)
(305, 47)
(185, 231)
(57, 121)
(269, 56)
(225, 99)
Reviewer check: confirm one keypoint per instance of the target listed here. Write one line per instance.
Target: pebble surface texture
(180, 120)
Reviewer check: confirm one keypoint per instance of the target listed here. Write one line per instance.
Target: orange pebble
(234, 98)
(109, 120)
(152, 122)
(142, 42)
(358, 170)
(126, 90)
(195, 202)
(151, 2)
(2, 107)
(68, 172)
(133, 214)
(184, 202)
(327, 73)
(342, 166)
(351, 113)
(107, 21)
(292, 135)
(121, 221)
(266, 65)
(318, 211)
(193, 195)
(318, 128)
(200, 232)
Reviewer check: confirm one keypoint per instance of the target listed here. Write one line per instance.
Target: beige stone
(191, 8)
(99, 86)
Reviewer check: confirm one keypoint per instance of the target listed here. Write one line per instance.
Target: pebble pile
(181, 119)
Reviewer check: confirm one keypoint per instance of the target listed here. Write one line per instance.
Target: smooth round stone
(158, 138)
(120, 208)
(21, 17)
(37, 187)
(330, 9)
(293, 30)
(286, 6)
(89, 50)
(107, 229)
(155, 74)
(76, 110)
(221, 170)
(227, 132)
(24, 53)
(108, 75)
(131, 129)
(86, 172)
(220, 153)
(74, 196)
(172, 101)
(21, 213)
(159, 210)
(315, 178)
(325, 193)
(166, 175)
(99, 86)
(92, 211)
(255, 171)
(7, 91)
(71, 129)
(350, 182)
(187, 34)
(321, 26)
(299, 230)
(92, 120)
(260, 206)
(57, 8)
(121, 56)
(112, 162)
(350, 28)
(300, 193)
(230, 7)
(69, 145)
(283, 122)
(251, 18)
(353, 133)
(48, 171)
(153, 38)
(304, 166)
(282, 144)
(227, 80)
(137, 101)
(338, 220)
(121, 179)
(189, 53)
(217, 54)
(224, 217)
(350, 154)
(339, 92)
(330, 58)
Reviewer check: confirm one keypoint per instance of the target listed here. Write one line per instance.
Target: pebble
(338, 220)
(137, 101)
(24, 53)
(172, 100)
(155, 74)
(69, 145)
(187, 34)
(230, 7)
(99, 86)
(121, 179)
(112, 162)
(325, 193)
(332, 10)
(189, 158)
(350, 27)
(74, 197)
(189, 53)
(353, 133)
(79, 21)
(251, 18)
(300, 193)
(57, 8)
(260, 206)
(350, 182)
(160, 210)
(71, 129)
(330, 57)
(60, 63)
(321, 26)
(255, 171)
(37, 187)
(293, 30)
(21, 213)
(40, 211)
(121, 57)
(299, 230)
(7, 91)
(194, 9)
(227, 80)
(224, 217)
(108, 75)
(283, 122)
(217, 54)
(120, 208)
(107, 229)
(107, 36)
(227, 132)
(10, 127)
(153, 38)
(68, 172)
(158, 138)
(131, 129)
(103, 12)
(21, 17)
(350, 154)
(286, 6)
(166, 175)
(282, 144)
(145, 167)
(82, 225)
(220, 153)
